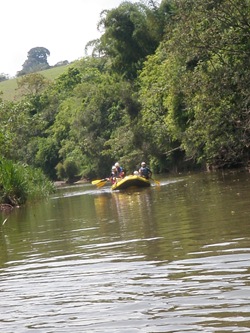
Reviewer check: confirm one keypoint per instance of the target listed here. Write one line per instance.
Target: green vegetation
(166, 83)
(19, 183)
(36, 61)
(67, 171)
(8, 88)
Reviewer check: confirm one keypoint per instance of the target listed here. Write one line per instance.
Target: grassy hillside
(8, 87)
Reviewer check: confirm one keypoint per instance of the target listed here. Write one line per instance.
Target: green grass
(20, 183)
(9, 87)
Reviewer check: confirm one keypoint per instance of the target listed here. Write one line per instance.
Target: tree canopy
(131, 33)
(36, 61)
(169, 84)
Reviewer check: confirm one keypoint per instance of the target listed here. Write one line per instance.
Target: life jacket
(145, 172)
(113, 176)
(120, 171)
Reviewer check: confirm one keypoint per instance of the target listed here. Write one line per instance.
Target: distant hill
(8, 87)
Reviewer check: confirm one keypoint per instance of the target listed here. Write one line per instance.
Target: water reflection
(133, 205)
(173, 258)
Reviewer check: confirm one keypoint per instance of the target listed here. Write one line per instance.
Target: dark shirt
(120, 171)
(145, 172)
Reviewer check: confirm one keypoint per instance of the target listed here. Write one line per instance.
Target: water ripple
(117, 293)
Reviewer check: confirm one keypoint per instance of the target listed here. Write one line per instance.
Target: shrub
(19, 182)
(60, 171)
(71, 169)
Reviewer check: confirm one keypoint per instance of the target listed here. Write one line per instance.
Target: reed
(19, 183)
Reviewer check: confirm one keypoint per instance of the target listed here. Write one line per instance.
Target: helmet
(113, 167)
(136, 173)
(117, 164)
(143, 163)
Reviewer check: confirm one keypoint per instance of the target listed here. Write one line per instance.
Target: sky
(63, 27)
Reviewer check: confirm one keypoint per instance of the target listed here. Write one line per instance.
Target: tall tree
(216, 48)
(131, 33)
(36, 61)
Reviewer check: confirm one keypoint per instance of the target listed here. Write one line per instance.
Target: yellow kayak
(131, 181)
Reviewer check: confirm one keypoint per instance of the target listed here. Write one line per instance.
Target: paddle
(102, 183)
(155, 181)
(99, 182)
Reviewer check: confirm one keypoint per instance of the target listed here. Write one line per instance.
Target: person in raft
(144, 171)
(114, 175)
(120, 170)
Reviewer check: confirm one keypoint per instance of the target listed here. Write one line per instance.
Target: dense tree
(131, 33)
(216, 89)
(36, 61)
(19, 128)
(199, 78)
(32, 84)
(188, 106)
(162, 116)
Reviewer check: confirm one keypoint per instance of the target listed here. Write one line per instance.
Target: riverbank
(61, 183)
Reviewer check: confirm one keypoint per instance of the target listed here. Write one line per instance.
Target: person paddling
(120, 170)
(144, 171)
(114, 175)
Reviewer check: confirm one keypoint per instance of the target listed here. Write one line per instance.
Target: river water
(169, 258)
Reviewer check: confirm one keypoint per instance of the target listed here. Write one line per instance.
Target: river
(169, 258)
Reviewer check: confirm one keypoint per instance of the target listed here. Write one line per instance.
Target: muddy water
(170, 258)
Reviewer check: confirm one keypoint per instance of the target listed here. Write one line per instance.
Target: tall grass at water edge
(20, 183)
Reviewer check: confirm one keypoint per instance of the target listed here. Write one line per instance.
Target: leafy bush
(60, 171)
(71, 169)
(67, 170)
